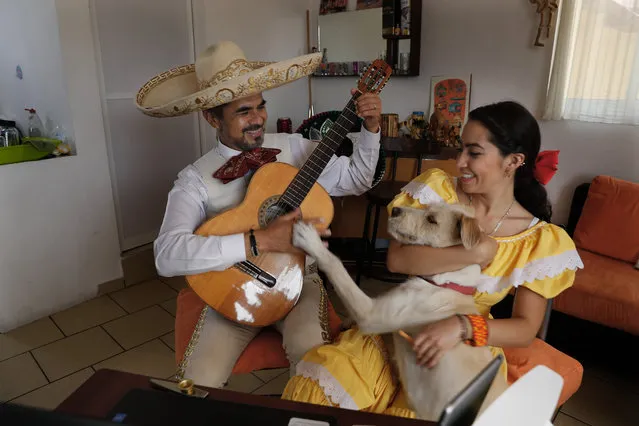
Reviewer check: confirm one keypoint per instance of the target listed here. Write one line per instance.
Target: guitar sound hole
(271, 209)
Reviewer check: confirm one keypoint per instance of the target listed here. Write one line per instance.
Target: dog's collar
(469, 291)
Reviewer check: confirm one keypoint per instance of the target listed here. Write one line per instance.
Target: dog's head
(436, 225)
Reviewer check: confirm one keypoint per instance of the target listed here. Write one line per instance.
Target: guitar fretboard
(315, 164)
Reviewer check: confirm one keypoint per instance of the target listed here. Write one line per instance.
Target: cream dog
(415, 303)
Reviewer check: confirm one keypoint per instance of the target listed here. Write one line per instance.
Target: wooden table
(98, 395)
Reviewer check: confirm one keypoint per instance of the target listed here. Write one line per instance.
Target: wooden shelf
(392, 42)
(335, 75)
(394, 75)
(405, 74)
(407, 147)
(396, 37)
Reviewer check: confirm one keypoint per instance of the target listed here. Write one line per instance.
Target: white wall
(492, 39)
(129, 33)
(57, 226)
(266, 31)
(29, 38)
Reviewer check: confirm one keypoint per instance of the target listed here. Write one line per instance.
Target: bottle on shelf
(418, 125)
(389, 17)
(405, 17)
(35, 128)
(324, 63)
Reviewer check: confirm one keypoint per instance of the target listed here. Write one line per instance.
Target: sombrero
(219, 76)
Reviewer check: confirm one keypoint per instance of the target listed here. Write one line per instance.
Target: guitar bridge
(256, 272)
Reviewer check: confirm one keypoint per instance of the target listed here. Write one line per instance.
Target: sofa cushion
(608, 222)
(606, 291)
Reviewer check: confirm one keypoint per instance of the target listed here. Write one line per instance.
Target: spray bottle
(35, 127)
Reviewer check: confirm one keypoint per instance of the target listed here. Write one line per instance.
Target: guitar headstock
(374, 77)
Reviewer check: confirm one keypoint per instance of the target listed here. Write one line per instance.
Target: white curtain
(595, 69)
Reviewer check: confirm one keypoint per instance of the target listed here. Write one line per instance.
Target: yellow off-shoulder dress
(354, 372)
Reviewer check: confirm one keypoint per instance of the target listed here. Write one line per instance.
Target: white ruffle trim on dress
(546, 267)
(333, 390)
(424, 193)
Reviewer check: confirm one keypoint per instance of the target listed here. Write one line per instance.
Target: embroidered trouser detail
(179, 375)
(217, 342)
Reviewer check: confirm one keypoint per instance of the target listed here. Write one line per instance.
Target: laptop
(152, 408)
(18, 415)
(143, 407)
(463, 409)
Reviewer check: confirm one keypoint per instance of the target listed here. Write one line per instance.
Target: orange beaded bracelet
(480, 330)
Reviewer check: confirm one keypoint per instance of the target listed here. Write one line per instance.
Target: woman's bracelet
(479, 328)
(464, 335)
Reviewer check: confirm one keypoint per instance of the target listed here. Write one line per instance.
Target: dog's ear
(463, 209)
(470, 231)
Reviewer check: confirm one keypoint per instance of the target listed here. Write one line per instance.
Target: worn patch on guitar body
(289, 282)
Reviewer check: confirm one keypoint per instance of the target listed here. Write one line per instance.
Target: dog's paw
(305, 237)
(466, 277)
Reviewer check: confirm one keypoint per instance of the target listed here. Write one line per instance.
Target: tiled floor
(131, 329)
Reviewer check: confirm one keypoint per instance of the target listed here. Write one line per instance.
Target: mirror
(352, 40)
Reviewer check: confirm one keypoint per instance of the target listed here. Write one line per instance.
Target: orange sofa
(604, 223)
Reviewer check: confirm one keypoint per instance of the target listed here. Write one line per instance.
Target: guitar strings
(372, 80)
(282, 202)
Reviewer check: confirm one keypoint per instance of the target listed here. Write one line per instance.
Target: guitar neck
(315, 164)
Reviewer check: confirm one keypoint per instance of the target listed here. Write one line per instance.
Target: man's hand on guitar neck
(278, 235)
(369, 107)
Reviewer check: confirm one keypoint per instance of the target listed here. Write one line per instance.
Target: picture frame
(368, 4)
(449, 107)
(332, 6)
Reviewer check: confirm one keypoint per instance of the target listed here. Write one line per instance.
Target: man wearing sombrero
(228, 90)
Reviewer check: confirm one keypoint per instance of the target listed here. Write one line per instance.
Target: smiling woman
(524, 251)
(512, 142)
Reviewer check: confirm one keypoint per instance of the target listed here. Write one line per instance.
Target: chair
(384, 192)
(522, 360)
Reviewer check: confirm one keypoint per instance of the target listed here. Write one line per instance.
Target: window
(595, 68)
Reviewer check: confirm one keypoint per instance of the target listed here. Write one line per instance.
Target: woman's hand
(485, 250)
(435, 339)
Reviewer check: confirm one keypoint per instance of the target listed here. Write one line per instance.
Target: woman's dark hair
(514, 130)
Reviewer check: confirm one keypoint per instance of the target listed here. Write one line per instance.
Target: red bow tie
(240, 164)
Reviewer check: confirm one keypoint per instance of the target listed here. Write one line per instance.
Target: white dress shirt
(178, 251)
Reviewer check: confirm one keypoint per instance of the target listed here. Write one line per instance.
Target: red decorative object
(546, 166)
(284, 125)
(240, 164)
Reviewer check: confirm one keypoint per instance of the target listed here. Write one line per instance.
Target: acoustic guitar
(263, 289)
